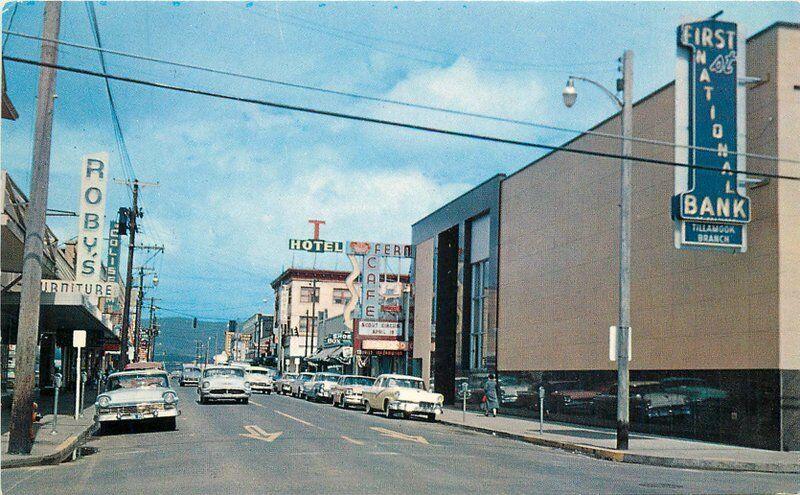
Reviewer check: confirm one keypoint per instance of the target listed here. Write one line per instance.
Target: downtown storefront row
(520, 276)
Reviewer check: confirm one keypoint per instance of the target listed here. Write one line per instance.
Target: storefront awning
(59, 314)
(338, 354)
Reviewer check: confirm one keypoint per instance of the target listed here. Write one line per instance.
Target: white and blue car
(137, 395)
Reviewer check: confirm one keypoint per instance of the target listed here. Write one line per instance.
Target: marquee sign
(710, 207)
(92, 217)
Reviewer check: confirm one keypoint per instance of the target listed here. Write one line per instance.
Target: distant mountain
(177, 338)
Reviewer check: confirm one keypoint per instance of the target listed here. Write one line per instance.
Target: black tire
(389, 413)
(170, 424)
(431, 418)
(245, 401)
(202, 399)
(367, 408)
(103, 428)
(342, 403)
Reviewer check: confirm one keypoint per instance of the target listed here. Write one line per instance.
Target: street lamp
(570, 95)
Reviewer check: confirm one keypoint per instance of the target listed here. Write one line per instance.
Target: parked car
(223, 383)
(402, 394)
(260, 379)
(283, 384)
(297, 384)
(648, 401)
(695, 389)
(575, 399)
(190, 376)
(137, 395)
(319, 388)
(348, 391)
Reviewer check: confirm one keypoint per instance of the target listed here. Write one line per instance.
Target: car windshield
(225, 372)
(326, 377)
(259, 372)
(191, 371)
(305, 378)
(358, 380)
(137, 381)
(405, 383)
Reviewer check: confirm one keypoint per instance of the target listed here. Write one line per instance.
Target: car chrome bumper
(226, 396)
(258, 387)
(107, 417)
(414, 408)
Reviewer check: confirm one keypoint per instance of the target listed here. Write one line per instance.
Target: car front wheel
(170, 424)
(368, 408)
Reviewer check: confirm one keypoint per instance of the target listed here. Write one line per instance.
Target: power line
(403, 125)
(408, 104)
(10, 22)
(349, 35)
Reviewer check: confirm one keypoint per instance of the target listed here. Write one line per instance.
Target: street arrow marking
(401, 436)
(258, 433)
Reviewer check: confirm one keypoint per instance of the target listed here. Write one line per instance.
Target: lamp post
(570, 95)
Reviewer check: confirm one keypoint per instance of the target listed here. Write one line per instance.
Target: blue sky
(237, 180)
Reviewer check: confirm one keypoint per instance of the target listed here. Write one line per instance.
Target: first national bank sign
(710, 207)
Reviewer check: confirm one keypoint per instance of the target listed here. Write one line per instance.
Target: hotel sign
(92, 217)
(710, 208)
(316, 245)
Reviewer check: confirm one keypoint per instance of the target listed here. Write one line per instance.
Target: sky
(237, 180)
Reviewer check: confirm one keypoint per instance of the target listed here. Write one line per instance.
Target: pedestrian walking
(490, 391)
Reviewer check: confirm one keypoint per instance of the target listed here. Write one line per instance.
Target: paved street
(279, 444)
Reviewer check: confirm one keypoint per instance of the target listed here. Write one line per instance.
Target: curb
(651, 460)
(63, 451)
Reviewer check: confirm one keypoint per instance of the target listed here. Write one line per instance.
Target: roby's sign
(91, 219)
(710, 207)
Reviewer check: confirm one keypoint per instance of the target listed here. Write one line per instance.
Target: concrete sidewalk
(49, 448)
(644, 449)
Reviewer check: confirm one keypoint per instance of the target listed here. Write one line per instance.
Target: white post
(78, 383)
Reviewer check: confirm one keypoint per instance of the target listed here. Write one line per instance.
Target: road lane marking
(398, 435)
(352, 440)
(258, 433)
(301, 421)
(256, 403)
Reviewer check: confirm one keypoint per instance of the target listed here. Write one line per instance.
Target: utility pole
(137, 328)
(313, 314)
(19, 441)
(258, 344)
(133, 216)
(623, 329)
(152, 332)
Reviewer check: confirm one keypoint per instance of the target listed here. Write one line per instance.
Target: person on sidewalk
(490, 391)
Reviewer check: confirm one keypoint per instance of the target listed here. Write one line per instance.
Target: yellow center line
(256, 403)
(301, 421)
(352, 440)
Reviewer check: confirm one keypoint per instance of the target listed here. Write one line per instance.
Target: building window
(341, 296)
(307, 323)
(477, 328)
(306, 294)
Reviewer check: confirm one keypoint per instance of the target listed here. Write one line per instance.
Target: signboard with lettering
(710, 207)
(112, 259)
(380, 329)
(92, 217)
(316, 245)
(371, 288)
(90, 289)
(385, 249)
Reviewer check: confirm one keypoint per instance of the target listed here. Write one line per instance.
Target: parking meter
(464, 391)
(541, 409)
(57, 385)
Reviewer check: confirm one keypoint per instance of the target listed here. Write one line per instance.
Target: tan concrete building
(719, 332)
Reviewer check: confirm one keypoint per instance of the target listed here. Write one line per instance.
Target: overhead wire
(403, 125)
(408, 104)
(10, 22)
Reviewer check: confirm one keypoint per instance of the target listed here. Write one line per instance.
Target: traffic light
(123, 220)
(194, 323)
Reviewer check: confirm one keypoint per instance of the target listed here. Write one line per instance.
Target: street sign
(710, 208)
(612, 343)
(79, 338)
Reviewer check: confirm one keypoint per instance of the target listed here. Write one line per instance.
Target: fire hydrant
(35, 417)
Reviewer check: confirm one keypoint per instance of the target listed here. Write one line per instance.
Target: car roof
(358, 376)
(401, 377)
(257, 368)
(138, 372)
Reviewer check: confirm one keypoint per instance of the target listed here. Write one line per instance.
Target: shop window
(477, 327)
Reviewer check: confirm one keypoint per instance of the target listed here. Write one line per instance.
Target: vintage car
(348, 391)
(648, 402)
(189, 376)
(223, 383)
(260, 379)
(319, 388)
(402, 394)
(137, 395)
(283, 385)
(298, 382)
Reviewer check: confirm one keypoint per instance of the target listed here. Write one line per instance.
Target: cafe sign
(710, 207)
